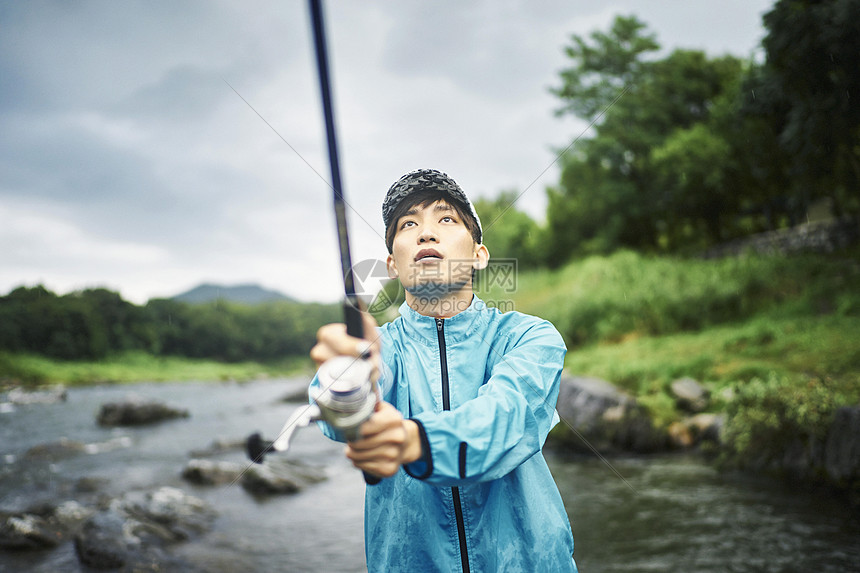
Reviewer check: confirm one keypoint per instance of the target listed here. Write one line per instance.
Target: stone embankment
(833, 459)
(817, 237)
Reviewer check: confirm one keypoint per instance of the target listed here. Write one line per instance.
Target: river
(668, 513)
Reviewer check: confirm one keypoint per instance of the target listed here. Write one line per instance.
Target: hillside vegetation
(775, 339)
(95, 336)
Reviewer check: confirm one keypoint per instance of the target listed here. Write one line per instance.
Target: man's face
(433, 252)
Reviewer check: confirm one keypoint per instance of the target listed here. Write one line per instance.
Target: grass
(725, 357)
(825, 347)
(607, 299)
(139, 366)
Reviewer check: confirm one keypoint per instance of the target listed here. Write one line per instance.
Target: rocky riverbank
(599, 417)
(134, 531)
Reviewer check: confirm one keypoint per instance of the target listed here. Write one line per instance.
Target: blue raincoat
(482, 387)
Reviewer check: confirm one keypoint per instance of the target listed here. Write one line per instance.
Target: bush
(769, 417)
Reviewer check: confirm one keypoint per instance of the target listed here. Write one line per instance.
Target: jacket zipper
(446, 405)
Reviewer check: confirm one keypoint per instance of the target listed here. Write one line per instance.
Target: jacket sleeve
(490, 435)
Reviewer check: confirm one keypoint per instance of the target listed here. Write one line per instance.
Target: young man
(469, 397)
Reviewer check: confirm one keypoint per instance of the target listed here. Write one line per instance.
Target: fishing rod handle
(352, 317)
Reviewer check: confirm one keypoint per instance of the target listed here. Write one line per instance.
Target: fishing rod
(347, 396)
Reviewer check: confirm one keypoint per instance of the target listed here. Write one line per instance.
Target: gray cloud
(125, 160)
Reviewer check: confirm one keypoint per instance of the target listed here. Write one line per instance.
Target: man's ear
(391, 266)
(482, 257)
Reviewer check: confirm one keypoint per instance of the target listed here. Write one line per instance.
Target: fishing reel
(345, 399)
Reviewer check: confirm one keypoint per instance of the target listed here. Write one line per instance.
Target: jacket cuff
(422, 468)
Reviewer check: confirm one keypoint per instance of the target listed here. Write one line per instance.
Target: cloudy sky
(130, 159)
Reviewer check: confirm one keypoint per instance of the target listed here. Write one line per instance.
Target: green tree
(91, 324)
(691, 173)
(637, 181)
(808, 90)
(234, 332)
(602, 69)
(508, 232)
(168, 319)
(590, 211)
(126, 326)
(61, 327)
(762, 163)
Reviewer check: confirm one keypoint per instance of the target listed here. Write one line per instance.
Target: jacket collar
(459, 327)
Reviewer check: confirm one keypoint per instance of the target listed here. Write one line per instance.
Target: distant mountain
(244, 294)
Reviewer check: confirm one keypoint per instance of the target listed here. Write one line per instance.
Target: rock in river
(134, 531)
(279, 477)
(207, 472)
(46, 395)
(61, 449)
(136, 412)
(41, 527)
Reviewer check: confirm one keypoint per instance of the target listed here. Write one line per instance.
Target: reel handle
(257, 448)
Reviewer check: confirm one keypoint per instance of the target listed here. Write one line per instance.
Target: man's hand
(388, 441)
(332, 340)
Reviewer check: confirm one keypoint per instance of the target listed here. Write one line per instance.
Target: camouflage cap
(425, 180)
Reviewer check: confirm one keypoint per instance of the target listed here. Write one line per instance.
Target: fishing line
(300, 156)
